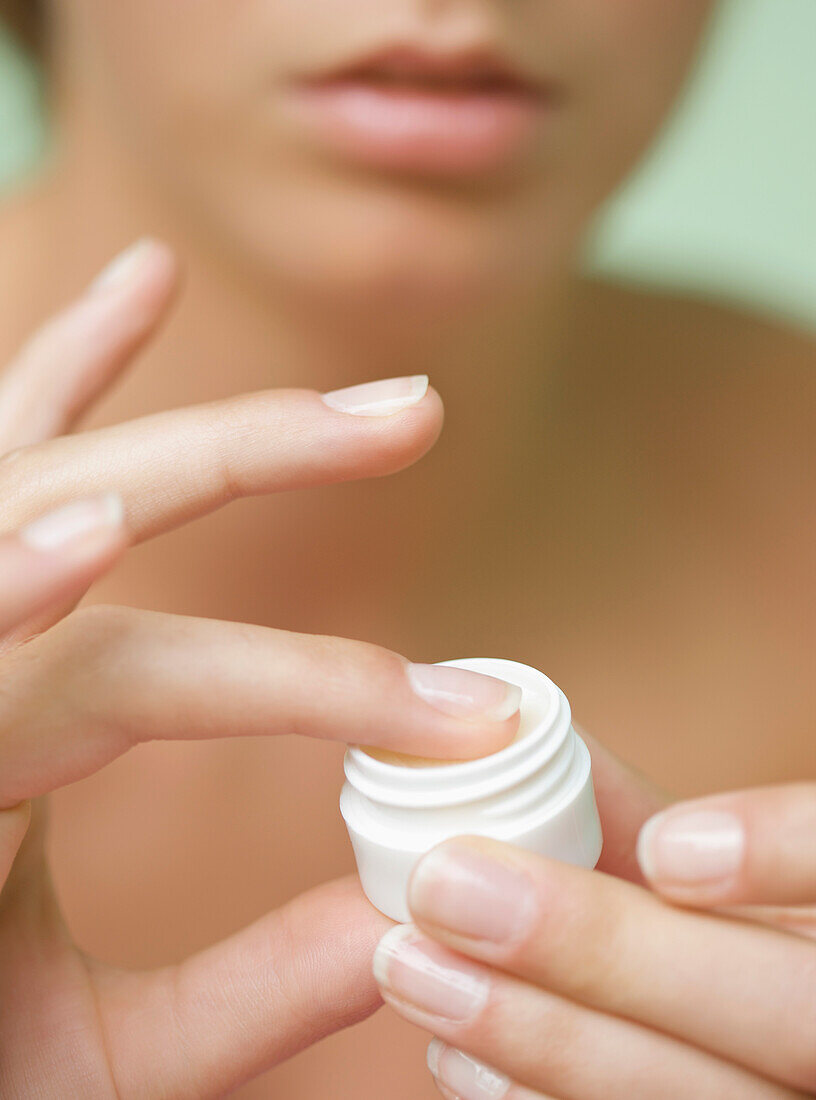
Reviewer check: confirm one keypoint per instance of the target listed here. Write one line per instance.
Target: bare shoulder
(717, 380)
(717, 411)
(672, 331)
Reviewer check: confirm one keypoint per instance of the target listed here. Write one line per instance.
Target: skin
(150, 683)
(209, 137)
(299, 273)
(585, 999)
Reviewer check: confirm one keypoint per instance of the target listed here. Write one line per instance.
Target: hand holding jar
(687, 969)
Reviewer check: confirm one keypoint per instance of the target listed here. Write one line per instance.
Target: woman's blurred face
(385, 147)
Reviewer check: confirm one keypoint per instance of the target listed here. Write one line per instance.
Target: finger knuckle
(236, 432)
(545, 1036)
(351, 674)
(586, 932)
(353, 662)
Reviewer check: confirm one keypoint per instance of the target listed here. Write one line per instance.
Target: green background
(725, 203)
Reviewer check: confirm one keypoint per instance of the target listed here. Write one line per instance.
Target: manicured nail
(462, 889)
(124, 267)
(464, 1076)
(384, 398)
(419, 973)
(465, 694)
(695, 848)
(72, 522)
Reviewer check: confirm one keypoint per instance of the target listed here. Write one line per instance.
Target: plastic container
(537, 793)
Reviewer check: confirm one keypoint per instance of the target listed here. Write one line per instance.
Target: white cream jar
(537, 793)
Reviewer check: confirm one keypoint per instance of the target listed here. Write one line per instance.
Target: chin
(393, 253)
(413, 285)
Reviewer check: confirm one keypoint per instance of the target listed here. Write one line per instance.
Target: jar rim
(543, 704)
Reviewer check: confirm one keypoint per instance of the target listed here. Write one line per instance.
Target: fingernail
(419, 973)
(464, 1076)
(124, 267)
(465, 694)
(701, 847)
(384, 398)
(445, 1092)
(73, 521)
(460, 888)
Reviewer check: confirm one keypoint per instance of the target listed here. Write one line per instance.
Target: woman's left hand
(564, 983)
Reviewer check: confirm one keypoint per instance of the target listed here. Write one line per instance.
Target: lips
(422, 112)
(413, 67)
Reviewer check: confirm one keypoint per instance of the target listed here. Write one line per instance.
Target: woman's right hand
(79, 688)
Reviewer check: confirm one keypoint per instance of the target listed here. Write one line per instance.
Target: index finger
(171, 467)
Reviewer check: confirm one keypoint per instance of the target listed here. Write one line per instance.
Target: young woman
(621, 496)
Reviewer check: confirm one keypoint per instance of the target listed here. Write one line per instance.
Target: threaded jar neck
(543, 748)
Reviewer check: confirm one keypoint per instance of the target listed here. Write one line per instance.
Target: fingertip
(147, 258)
(68, 527)
(643, 847)
(138, 286)
(693, 854)
(488, 738)
(164, 273)
(407, 437)
(365, 445)
(165, 264)
(384, 398)
(486, 709)
(433, 409)
(447, 742)
(51, 562)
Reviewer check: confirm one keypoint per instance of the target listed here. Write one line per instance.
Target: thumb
(238, 1008)
(626, 799)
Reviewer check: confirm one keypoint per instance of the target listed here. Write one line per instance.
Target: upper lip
(472, 69)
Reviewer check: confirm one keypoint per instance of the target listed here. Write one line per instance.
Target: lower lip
(421, 131)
